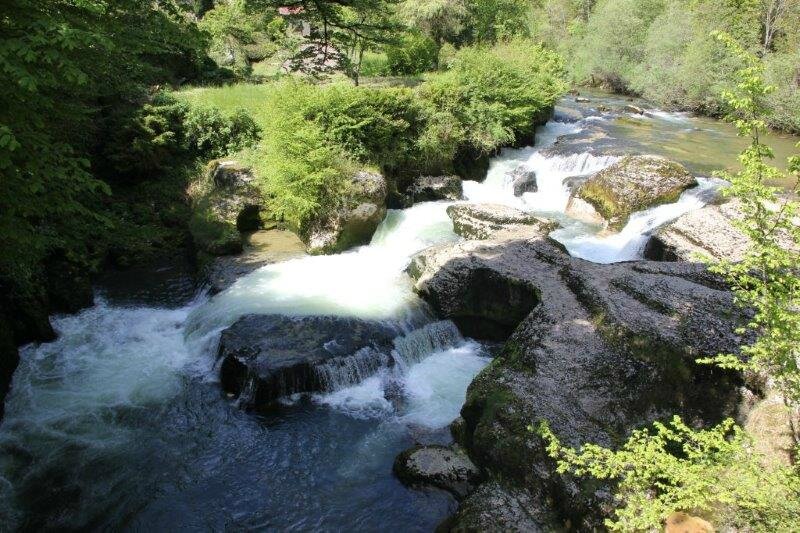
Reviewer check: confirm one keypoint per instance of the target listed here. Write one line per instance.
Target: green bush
(374, 126)
(146, 140)
(211, 134)
(496, 95)
(166, 132)
(714, 473)
(415, 54)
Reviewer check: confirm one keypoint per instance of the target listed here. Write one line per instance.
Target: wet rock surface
(480, 221)
(523, 180)
(633, 184)
(706, 232)
(432, 188)
(596, 350)
(444, 467)
(266, 357)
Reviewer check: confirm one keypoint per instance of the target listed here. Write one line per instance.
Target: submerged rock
(266, 357)
(480, 221)
(261, 248)
(432, 188)
(523, 180)
(596, 351)
(354, 223)
(705, 232)
(632, 184)
(444, 467)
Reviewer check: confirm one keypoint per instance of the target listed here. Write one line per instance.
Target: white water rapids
(113, 363)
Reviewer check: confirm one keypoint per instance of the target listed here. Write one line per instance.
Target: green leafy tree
(489, 21)
(438, 19)
(65, 64)
(766, 281)
(713, 473)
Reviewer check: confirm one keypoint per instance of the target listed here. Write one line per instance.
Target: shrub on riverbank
(315, 137)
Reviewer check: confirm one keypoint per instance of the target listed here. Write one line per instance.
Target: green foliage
(438, 19)
(373, 126)
(60, 60)
(663, 49)
(240, 33)
(766, 280)
(489, 21)
(490, 97)
(209, 133)
(414, 54)
(166, 132)
(314, 137)
(145, 140)
(713, 473)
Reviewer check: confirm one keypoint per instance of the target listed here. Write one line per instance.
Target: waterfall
(630, 241)
(343, 372)
(430, 338)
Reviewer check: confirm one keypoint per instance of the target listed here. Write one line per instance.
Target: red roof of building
(290, 10)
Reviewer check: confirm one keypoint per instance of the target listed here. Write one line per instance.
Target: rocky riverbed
(596, 350)
(303, 391)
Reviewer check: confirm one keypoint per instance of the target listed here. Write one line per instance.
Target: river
(120, 423)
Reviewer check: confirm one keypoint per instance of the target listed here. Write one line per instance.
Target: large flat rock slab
(600, 350)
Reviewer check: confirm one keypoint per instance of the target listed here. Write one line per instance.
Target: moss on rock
(632, 184)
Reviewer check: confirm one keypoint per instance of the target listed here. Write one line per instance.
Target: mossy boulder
(632, 184)
(226, 201)
(362, 209)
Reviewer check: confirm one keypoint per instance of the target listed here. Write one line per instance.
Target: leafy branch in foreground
(713, 473)
(766, 281)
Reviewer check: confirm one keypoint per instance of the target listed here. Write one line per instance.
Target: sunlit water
(120, 423)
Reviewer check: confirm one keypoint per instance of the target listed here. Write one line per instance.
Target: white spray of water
(629, 242)
(582, 240)
(368, 282)
(104, 358)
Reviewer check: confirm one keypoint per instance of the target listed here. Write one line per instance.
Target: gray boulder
(595, 350)
(266, 357)
(523, 180)
(705, 232)
(352, 224)
(444, 467)
(632, 184)
(433, 188)
(480, 221)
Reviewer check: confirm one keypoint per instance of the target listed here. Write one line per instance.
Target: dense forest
(119, 119)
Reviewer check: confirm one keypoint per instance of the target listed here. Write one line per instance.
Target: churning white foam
(628, 244)
(368, 282)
